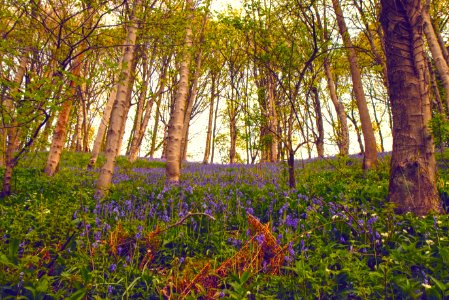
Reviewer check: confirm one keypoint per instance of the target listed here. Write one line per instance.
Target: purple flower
(260, 239)
(110, 289)
(112, 267)
(291, 222)
(279, 238)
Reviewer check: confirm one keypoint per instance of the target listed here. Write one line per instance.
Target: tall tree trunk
(60, 132)
(175, 126)
(211, 117)
(370, 157)
(273, 125)
(130, 85)
(214, 130)
(190, 102)
(437, 104)
(357, 130)
(119, 109)
(103, 125)
(412, 178)
(342, 130)
(13, 131)
(291, 168)
(155, 129)
(437, 54)
(139, 128)
(319, 142)
(233, 138)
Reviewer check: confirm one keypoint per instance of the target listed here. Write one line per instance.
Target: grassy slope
(341, 236)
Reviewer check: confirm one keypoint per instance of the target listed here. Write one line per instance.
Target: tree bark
(412, 178)
(175, 126)
(119, 109)
(102, 127)
(342, 130)
(141, 119)
(190, 102)
(370, 157)
(12, 132)
(211, 117)
(437, 54)
(60, 133)
(319, 142)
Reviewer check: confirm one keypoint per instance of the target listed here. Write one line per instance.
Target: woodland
(188, 149)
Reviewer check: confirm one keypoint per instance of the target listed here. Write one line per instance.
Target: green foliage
(439, 126)
(343, 239)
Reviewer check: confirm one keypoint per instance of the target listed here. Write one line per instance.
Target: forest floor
(227, 231)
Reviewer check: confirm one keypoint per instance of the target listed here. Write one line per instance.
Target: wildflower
(291, 222)
(112, 267)
(110, 289)
(429, 242)
(97, 235)
(279, 238)
(260, 239)
(426, 285)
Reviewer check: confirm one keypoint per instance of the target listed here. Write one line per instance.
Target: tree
(120, 107)
(370, 158)
(175, 127)
(412, 176)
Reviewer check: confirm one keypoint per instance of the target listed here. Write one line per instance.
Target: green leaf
(78, 295)
(443, 287)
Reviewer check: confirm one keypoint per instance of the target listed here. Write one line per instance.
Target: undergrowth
(336, 235)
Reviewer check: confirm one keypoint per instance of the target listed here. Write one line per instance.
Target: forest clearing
(188, 149)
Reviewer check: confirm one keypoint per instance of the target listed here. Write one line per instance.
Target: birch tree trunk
(175, 126)
(437, 54)
(60, 132)
(102, 127)
(119, 108)
(191, 100)
(412, 178)
(139, 128)
(210, 119)
(370, 157)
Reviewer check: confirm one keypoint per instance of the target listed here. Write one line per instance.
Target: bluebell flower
(260, 239)
(112, 267)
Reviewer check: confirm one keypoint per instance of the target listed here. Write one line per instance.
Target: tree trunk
(140, 118)
(357, 130)
(102, 127)
(191, 100)
(214, 130)
(437, 55)
(437, 104)
(130, 85)
(370, 157)
(118, 113)
(60, 132)
(291, 169)
(12, 132)
(412, 178)
(175, 126)
(155, 129)
(342, 130)
(273, 125)
(233, 138)
(319, 142)
(211, 117)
